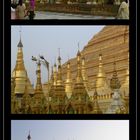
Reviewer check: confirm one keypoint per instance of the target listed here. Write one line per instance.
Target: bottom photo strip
(70, 129)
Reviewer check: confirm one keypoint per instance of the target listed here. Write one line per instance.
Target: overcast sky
(46, 40)
(70, 129)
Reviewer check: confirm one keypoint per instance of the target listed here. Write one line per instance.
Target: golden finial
(59, 58)
(101, 71)
(29, 137)
(78, 54)
(20, 43)
(38, 73)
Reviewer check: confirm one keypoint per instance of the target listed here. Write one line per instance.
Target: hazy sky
(70, 129)
(46, 40)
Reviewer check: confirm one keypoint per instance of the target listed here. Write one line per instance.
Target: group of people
(19, 10)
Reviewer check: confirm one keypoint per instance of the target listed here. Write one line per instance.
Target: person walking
(20, 10)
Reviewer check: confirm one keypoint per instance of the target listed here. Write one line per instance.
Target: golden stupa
(20, 78)
(20, 75)
(39, 99)
(82, 84)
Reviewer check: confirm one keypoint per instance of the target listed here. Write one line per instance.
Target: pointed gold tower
(59, 97)
(68, 83)
(19, 73)
(39, 100)
(101, 81)
(59, 74)
(20, 76)
(79, 78)
(79, 98)
(38, 88)
(52, 89)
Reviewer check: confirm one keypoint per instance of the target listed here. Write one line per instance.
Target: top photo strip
(69, 9)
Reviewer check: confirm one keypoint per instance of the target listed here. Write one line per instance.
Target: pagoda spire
(20, 61)
(20, 74)
(59, 97)
(29, 136)
(79, 97)
(101, 81)
(101, 72)
(39, 98)
(59, 58)
(38, 88)
(59, 74)
(79, 74)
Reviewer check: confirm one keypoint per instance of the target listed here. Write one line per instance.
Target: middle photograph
(70, 69)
